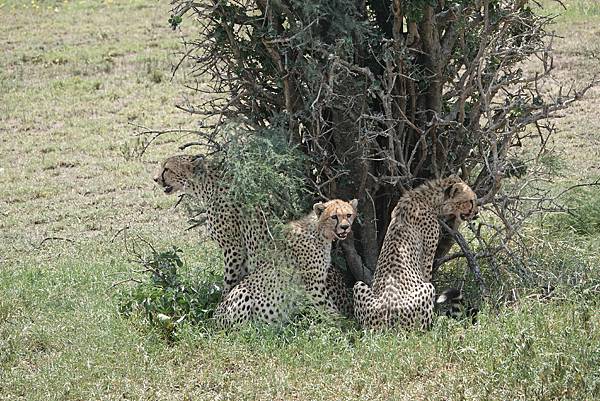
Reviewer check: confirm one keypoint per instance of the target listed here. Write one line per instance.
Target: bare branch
(468, 254)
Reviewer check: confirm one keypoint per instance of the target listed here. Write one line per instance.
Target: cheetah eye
(334, 217)
(349, 215)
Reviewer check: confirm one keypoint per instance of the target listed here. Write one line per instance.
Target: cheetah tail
(452, 302)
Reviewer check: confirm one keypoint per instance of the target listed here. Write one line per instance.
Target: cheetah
(243, 235)
(240, 233)
(402, 294)
(267, 295)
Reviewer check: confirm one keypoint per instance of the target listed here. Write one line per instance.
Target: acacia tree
(381, 95)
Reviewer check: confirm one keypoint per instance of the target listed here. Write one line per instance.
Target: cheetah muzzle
(342, 235)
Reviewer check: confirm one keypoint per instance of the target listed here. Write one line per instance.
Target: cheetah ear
(354, 203)
(319, 208)
(198, 162)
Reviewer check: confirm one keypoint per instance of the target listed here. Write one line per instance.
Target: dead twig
(127, 280)
(55, 239)
(121, 230)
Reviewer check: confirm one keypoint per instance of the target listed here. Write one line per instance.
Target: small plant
(175, 21)
(133, 149)
(552, 162)
(166, 298)
(586, 218)
(156, 76)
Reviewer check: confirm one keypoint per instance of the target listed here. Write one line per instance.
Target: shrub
(166, 298)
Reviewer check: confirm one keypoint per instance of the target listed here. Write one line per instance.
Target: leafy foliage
(264, 171)
(166, 298)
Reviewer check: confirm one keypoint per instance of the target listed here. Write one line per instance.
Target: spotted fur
(402, 294)
(240, 233)
(267, 295)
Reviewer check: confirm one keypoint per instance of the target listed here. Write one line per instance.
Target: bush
(166, 298)
(267, 173)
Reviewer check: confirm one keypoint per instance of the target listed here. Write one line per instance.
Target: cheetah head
(176, 171)
(335, 218)
(459, 201)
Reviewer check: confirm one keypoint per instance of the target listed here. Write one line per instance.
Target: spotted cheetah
(240, 233)
(267, 295)
(243, 235)
(402, 294)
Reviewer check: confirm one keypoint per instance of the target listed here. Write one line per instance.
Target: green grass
(74, 77)
(582, 215)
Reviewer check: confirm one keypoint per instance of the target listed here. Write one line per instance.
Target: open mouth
(342, 235)
(168, 189)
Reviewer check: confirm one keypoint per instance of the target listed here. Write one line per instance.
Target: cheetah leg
(364, 305)
(429, 297)
(337, 292)
(430, 241)
(318, 294)
(416, 309)
(236, 307)
(258, 297)
(315, 283)
(235, 259)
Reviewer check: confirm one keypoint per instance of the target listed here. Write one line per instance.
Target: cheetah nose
(344, 226)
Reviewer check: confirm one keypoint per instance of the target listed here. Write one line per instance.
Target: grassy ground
(74, 77)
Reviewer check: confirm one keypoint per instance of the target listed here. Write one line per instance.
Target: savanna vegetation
(79, 210)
